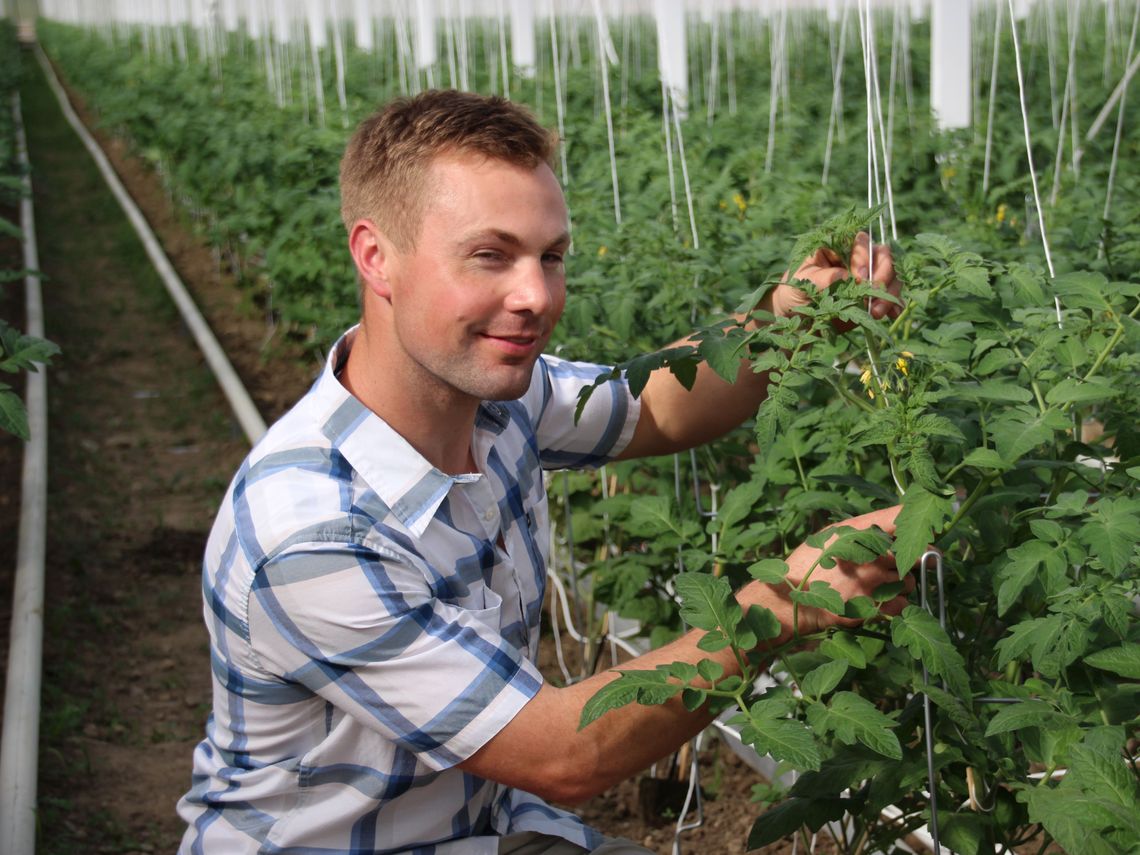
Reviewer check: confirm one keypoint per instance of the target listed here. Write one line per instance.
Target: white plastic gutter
(20, 741)
(244, 409)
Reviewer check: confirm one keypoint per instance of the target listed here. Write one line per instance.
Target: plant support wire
(931, 557)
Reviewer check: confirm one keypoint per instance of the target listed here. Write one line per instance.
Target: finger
(895, 606)
(820, 276)
(829, 257)
(884, 267)
(884, 518)
(861, 256)
(884, 309)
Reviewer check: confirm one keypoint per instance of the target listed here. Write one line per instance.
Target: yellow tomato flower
(740, 203)
(1001, 212)
(865, 377)
(870, 393)
(602, 251)
(900, 363)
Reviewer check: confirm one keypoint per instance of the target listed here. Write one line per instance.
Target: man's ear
(373, 254)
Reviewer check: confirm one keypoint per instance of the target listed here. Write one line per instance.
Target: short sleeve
(362, 630)
(606, 424)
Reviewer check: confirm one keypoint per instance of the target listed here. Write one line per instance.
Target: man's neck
(436, 421)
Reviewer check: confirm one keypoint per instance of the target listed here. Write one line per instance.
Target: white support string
(993, 100)
(1029, 154)
(878, 103)
(1119, 130)
(666, 103)
(836, 93)
(605, 51)
(558, 98)
(1067, 106)
(684, 171)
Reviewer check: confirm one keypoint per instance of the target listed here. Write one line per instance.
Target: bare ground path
(141, 449)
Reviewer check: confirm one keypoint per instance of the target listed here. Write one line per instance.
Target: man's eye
(552, 258)
(490, 255)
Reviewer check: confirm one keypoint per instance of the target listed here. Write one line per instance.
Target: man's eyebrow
(509, 237)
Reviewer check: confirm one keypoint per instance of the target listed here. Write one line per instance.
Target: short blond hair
(384, 168)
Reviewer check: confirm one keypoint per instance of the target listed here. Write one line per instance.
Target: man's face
(475, 301)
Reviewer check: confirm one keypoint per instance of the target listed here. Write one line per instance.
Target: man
(373, 583)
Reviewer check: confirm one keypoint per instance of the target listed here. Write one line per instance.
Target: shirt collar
(405, 481)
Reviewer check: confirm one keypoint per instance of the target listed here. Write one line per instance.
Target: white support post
(672, 51)
(230, 15)
(318, 26)
(950, 63)
(523, 52)
(426, 52)
(362, 26)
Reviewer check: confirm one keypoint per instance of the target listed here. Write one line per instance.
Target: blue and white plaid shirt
(374, 622)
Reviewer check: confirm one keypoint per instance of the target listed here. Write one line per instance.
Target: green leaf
(963, 833)
(645, 687)
(13, 415)
(707, 602)
(1021, 567)
(955, 709)
(721, 349)
(857, 545)
(842, 646)
(985, 458)
(994, 390)
(1070, 391)
(1081, 289)
(786, 818)
(1098, 767)
(1017, 432)
(855, 719)
(823, 679)
(1123, 660)
(861, 608)
(1031, 713)
(1073, 818)
(922, 516)
(762, 623)
(710, 670)
(769, 570)
(784, 738)
(918, 631)
(819, 595)
(653, 515)
(995, 360)
(1113, 532)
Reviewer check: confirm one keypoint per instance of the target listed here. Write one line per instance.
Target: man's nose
(531, 288)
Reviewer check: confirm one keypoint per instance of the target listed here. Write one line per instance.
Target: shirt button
(489, 514)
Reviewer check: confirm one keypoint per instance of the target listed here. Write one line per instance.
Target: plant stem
(1032, 380)
(971, 500)
(1109, 346)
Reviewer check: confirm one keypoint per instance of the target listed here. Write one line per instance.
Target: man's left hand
(824, 268)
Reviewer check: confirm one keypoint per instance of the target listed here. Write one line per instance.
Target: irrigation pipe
(20, 742)
(241, 403)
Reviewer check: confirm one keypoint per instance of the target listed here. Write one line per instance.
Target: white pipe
(241, 403)
(20, 742)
